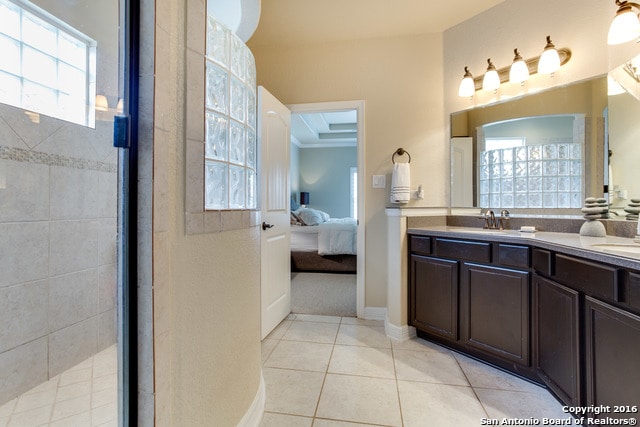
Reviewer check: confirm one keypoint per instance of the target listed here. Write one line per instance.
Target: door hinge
(121, 132)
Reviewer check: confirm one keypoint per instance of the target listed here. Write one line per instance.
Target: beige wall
(578, 25)
(206, 286)
(400, 80)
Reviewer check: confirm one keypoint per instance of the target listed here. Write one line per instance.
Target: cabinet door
(612, 357)
(494, 314)
(556, 340)
(434, 296)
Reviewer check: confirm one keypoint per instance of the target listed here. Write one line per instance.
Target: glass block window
(230, 125)
(533, 176)
(46, 66)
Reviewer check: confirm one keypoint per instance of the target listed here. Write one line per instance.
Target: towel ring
(400, 152)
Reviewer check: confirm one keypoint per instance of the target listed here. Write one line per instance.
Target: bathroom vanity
(556, 308)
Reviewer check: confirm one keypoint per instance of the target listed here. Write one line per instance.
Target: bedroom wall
(294, 172)
(400, 81)
(325, 174)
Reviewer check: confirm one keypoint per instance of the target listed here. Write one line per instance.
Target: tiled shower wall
(58, 206)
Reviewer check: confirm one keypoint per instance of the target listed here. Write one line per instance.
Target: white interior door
(462, 171)
(274, 128)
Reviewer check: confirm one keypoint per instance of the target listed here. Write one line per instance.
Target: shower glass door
(61, 85)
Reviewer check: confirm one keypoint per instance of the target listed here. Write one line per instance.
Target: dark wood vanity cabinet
(435, 296)
(612, 361)
(494, 306)
(561, 320)
(462, 298)
(556, 338)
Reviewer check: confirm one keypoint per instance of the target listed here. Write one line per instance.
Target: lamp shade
(624, 27)
(491, 80)
(304, 198)
(519, 72)
(467, 85)
(549, 60)
(101, 103)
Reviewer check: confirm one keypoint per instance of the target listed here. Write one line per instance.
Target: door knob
(266, 226)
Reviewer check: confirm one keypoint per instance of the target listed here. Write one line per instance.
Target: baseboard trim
(253, 416)
(400, 333)
(375, 313)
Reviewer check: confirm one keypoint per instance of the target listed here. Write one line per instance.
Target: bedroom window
(354, 191)
(230, 123)
(46, 66)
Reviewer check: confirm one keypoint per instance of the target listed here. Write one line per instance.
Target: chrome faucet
(493, 223)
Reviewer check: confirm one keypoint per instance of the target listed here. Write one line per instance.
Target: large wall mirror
(541, 151)
(624, 135)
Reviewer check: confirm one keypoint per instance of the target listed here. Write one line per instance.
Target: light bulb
(624, 27)
(519, 71)
(549, 61)
(491, 80)
(467, 86)
(101, 103)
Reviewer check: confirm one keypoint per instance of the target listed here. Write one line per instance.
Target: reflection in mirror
(624, 137)
(531, 162)
(554, 156)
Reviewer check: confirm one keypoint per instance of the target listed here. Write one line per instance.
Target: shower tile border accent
(29, 156)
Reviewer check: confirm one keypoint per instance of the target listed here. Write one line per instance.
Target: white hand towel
(401, 183)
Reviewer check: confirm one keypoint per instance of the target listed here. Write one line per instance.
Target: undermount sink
(619, 247)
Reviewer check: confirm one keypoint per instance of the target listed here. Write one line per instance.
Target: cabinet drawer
(420, 245)
(468, 251)
(597, 280)
(633, 291)
(542, 261)
(512, 255)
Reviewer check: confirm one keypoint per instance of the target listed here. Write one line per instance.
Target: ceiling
(296, 22)
(328, 129)
(300, 22)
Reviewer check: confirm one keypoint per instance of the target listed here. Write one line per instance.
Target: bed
(322, 244)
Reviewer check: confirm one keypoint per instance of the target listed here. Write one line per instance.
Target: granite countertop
(620, 251)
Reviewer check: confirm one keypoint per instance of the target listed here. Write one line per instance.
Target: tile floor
(325, 371)
(83, 396)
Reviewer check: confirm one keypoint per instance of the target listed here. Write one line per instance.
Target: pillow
(294, 205)
(325, 216)
(310, 216)
(296, 220)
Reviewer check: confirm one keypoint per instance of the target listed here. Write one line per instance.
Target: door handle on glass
(266, 226)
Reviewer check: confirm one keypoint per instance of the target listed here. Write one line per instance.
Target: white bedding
(337, 236)
(304, 238)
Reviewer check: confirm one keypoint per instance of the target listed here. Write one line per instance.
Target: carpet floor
(323, 293)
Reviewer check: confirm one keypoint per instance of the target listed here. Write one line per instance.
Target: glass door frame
(128, 216)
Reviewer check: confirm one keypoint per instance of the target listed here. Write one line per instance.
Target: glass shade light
(120, 106)
(613, 87)
(625, 26)
(519, 71)
(491, 80)
(467, 86)
(101, 103)
(549, 61)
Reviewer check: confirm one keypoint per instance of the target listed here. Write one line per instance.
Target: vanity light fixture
(625, 25)
(549, 61)
(101, 103)
(519, 71)
(491, 80)
(467, 85)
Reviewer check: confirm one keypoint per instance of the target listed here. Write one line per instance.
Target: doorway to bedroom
(327, 244)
